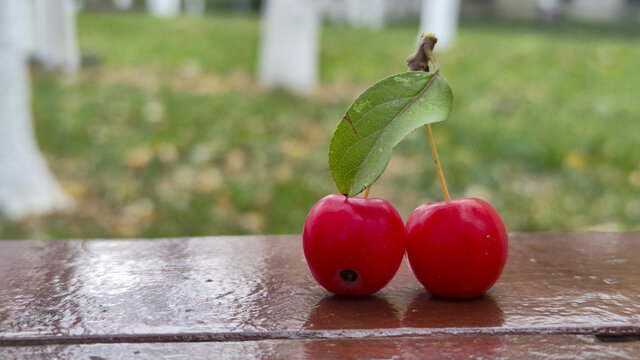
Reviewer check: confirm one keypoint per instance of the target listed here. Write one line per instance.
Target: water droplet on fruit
(349, 275)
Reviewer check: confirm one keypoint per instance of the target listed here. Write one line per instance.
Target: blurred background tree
(167, 131)
(44, 31)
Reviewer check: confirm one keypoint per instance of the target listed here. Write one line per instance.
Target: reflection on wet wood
(79, 294)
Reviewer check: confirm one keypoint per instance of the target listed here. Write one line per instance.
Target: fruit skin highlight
(456, 248)
(353, 246)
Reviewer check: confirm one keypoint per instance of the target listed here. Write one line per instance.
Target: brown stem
(366, 192)
(419, 61)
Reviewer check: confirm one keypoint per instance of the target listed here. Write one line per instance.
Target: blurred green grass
(170, 136)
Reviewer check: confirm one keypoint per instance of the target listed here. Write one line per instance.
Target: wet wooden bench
(570, 294)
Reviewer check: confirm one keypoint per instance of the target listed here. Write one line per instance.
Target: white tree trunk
(194, 7)
(164, 8)
(26, 185)
(366, 13)
(123, 4)
(55, 35)
(25, 27)
(289, 45)
(440, 17)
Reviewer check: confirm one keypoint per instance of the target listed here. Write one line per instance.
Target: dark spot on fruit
(349, 275)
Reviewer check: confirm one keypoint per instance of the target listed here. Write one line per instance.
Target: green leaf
(378, 120)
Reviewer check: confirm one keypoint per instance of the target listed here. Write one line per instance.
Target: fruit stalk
(443, 183)
(366, 192)
(419, 61)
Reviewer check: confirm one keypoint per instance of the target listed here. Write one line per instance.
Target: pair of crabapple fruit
(354, 246)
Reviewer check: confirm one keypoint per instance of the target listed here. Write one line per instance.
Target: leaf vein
(346, 152)
(415, 98)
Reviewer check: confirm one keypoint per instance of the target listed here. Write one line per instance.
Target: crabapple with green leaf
(353, 246)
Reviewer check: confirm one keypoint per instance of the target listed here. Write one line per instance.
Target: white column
(27, 187)
(440, 17)
(289, 45)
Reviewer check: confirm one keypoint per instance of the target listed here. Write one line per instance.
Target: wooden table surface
(562, 295)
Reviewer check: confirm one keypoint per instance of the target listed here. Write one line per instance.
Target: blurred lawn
(170, 136)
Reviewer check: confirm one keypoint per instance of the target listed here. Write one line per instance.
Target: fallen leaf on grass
(167, 153)
(138, 158)
(208, 181)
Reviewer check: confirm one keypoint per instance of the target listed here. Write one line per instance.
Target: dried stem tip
(419, 61)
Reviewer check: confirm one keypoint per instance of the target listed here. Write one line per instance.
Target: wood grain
(257, 290)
